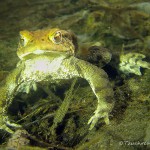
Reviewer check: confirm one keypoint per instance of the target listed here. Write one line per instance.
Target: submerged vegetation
(55, 116)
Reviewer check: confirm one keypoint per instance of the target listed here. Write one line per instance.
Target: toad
(48, 55)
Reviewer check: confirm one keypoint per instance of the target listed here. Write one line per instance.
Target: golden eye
(57, 38)
(25, 37)
(21, 42)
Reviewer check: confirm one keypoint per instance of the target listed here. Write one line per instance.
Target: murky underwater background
(118, 25)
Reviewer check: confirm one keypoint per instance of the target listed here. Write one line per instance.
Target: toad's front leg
(8, 89)
(99, 83)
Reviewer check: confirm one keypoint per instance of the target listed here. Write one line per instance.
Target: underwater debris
(117, 18)
(18, 139)
(144, 7)
(70, 19)
(132, 62)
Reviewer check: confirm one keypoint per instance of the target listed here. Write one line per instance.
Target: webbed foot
(14, 125)
(6, 124)
(7, 129)
(94, 119)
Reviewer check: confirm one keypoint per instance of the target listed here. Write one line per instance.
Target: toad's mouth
(42, 52)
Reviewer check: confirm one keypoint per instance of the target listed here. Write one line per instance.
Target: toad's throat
(42, 52)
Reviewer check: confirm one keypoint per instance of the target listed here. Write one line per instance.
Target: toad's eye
(21, 42)
(57, 38)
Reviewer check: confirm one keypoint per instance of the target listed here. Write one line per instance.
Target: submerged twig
(61, 112)
(45, 144)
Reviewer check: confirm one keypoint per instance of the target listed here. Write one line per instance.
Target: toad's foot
(6, 124)
(14, 125)
(7, 129)
(97, 115)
